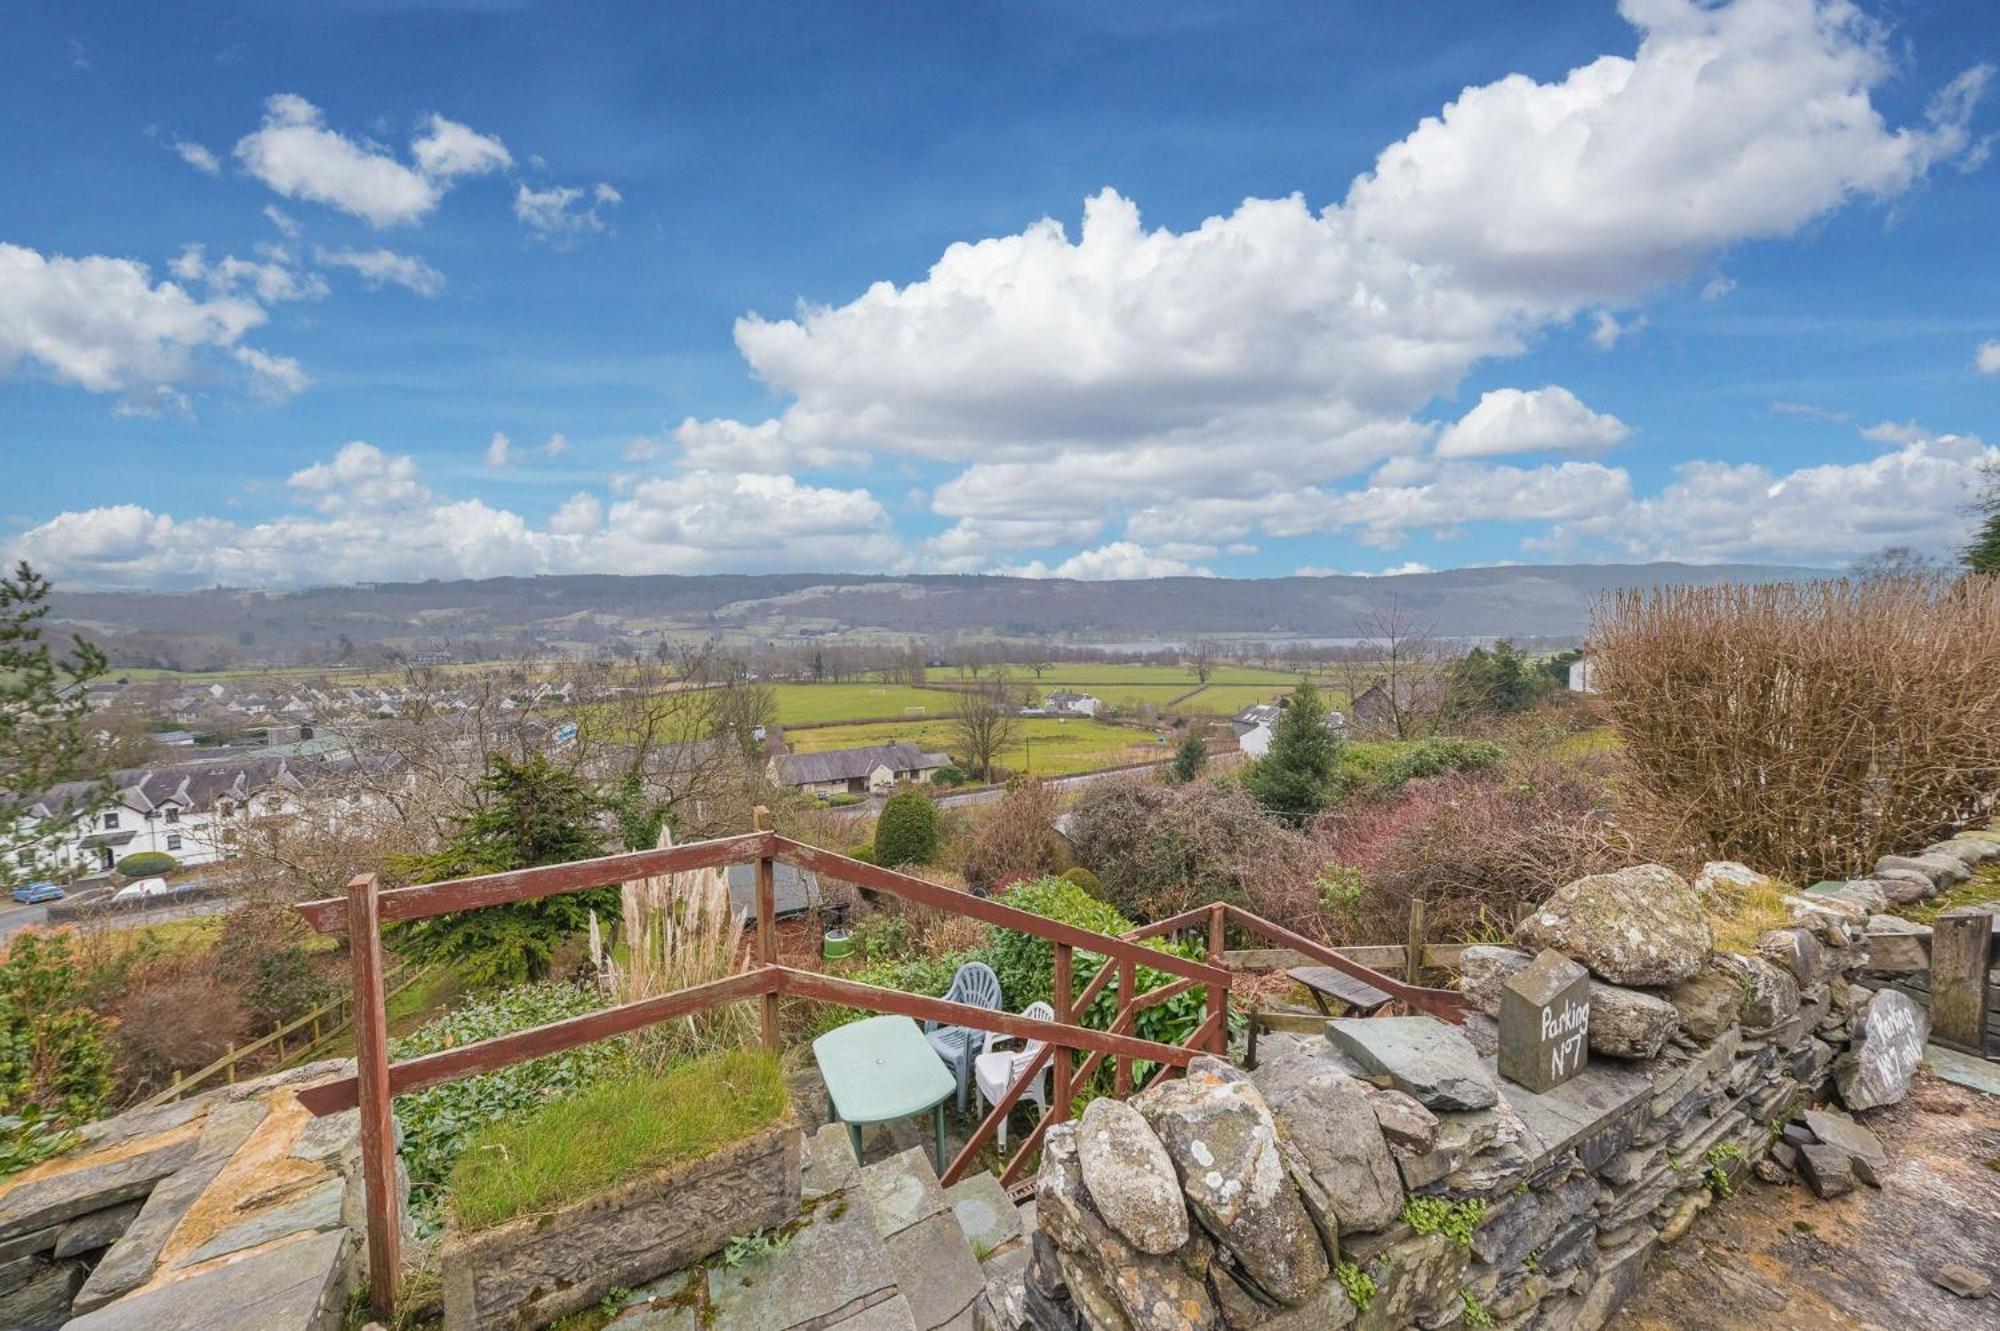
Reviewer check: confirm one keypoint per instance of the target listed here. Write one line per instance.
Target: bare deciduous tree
(1395, 681)
(983, 723)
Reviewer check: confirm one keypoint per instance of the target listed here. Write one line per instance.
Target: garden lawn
(1056, 747)
(572, 1149)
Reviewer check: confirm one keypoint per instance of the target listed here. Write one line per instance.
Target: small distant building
(856, 771)
(1583, 676)
(1377, 707)
(1062, 703)
(1254, 724)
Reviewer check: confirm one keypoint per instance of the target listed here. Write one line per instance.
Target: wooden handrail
(329, 914)
(413, 1074)
(988, 911)
(1447, 1004)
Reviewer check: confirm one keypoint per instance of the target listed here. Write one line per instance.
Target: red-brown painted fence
(365, 907)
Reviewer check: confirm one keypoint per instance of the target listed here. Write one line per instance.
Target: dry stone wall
(235, 1208)
(1386, 1176)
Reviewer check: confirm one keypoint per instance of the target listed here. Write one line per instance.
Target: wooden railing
(361, 913)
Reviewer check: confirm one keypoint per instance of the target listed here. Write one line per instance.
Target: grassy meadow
(1043, 746)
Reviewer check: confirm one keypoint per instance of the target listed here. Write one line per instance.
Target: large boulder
(1224, 1144)
(1888, 1044)
(1334, 1145)
(1422, 1057)
(1130, 1177)
(1972, 850)
(1642, 925)
(1942, 870)
(1115, 1283)
(1721, 882)
(1624, 1023)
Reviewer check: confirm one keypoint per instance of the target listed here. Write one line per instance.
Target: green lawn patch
(574, 1148)
(1045, 746)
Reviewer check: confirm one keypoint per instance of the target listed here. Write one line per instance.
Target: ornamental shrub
(148, 864)
(55, 1067)
(907, 831)
(1083, 878)
(1435, 757)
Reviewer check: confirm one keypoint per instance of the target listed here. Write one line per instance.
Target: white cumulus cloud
(563, 213)
(447, 149)
(1988, 357)
(1513, 420)
(198, 157)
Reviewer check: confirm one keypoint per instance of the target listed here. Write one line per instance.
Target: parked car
(142, 890)
(33, 894)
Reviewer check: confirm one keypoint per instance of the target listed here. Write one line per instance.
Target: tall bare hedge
(1808, 728)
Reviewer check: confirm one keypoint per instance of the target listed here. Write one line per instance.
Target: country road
(966, 799)
(14, 917)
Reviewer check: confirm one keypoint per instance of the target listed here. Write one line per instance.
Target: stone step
(991, 1221)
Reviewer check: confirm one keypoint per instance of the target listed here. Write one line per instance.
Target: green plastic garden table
(881, 1069)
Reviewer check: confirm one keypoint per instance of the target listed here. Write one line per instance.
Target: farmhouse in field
(856, 771)
(1064, 703)
(1381, 704)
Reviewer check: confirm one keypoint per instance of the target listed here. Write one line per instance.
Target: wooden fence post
(1413, 954)
(1121, 1066)
(1063, 997)
(1961, 951)
(767, 927)
(1218, 994)
(378, 1126)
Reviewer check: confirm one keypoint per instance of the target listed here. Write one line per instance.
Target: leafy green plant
(440, 1121)
(1358, 1285)
(754, 1247)
(1083, 878)
(1716, 1176)
(1339, 887)
(147, 864)
(1475, 1312)
(907, 831)
(1189, 759)
(55, 1062)
(1455, 1220)
(1435, 757)
(864, 852)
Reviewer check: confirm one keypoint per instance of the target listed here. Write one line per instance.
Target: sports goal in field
(914, 711)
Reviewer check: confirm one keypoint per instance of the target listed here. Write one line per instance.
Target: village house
(856, 771)
(1064, 703)
(1379, 706)
(1254, 724)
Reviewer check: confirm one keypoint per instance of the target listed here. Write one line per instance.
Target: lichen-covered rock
(1799, 951)
(1640, 926)
(1333, 1144)
(1130, 1178)
(1707, 1002)
(1888, 1045)
(1769, 994)
(1223, 1141)
(1113, 1283)
(1414, 1279)
(1723, 881)
(1974, 849)
(1624, 1023)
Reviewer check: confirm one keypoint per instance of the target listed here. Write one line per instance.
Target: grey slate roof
(798, 769)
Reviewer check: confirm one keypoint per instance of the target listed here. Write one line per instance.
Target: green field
(825, 704)
(1073, 674)
(1229, 699)
(1043, 746)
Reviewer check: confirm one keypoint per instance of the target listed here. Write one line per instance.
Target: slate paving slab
(53, 1198)
(901, 1191)
(297, 1286)
(934, 1267)
(888, 1315)
(1422, 1056)
(313, 1212)
(985, 1212)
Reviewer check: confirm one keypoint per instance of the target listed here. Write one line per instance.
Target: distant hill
(1522, 601)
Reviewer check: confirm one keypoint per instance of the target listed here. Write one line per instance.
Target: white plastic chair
(975, 984)
(997, 1069)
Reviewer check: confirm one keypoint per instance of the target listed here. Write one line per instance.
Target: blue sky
(306, 293)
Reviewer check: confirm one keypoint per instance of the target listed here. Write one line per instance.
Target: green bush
(929, 976)
(1083, 878)
(1435, 757)
(863, 851)
(949, 775)
(55, 1065)
(572, 1149)
(1026, 964)
(907, 831)
(148, 864)
(439, 1122)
